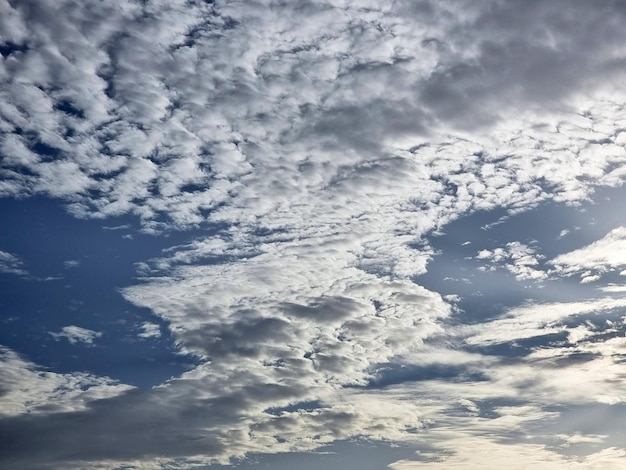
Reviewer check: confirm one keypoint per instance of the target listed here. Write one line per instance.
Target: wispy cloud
(72, 264)
(11, 264)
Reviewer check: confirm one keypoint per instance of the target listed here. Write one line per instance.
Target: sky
(268, 234)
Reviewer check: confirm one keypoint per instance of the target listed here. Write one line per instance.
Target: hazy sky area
(369, 235)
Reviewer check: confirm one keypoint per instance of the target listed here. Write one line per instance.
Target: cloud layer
(318, 145)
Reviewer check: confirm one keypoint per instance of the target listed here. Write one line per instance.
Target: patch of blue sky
(75, 270)
(487, 289)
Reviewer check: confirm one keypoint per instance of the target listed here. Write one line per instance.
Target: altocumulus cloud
(318, 145)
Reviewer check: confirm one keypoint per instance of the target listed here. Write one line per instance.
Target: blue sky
(373, 235)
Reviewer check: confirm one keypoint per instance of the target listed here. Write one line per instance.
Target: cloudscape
(311, 234)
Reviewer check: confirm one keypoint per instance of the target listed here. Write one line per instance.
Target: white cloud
(319, 143)
(76, 334)
(282, 113)
(537, 319)
(29, 389)
(282, 308)
(11, 264)
(518, 258)
(480, 452)
(593, 260)
(613, 288)
(589, 278)
(150, 330)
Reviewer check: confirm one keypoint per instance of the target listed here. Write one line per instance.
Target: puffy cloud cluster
(174, 110)
(518, 258)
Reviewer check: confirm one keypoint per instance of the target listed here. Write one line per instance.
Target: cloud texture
(318, 146)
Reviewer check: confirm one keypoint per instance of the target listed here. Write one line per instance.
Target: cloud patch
(518, 258)
(594, 260)
(76, 334)
(149, 330)
(27, 389)
(11, 264)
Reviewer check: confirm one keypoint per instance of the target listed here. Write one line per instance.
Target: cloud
(306, 106)
(317, 145)
(480, 452)
(279, 310)
(511, 414)
(538, 319)
(76, 334)
(195, 429)
(593, 260)
(517, 258)
(150, 330)
(26, 389)
(11, 264)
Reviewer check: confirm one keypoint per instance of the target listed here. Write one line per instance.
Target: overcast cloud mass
(312, 234)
